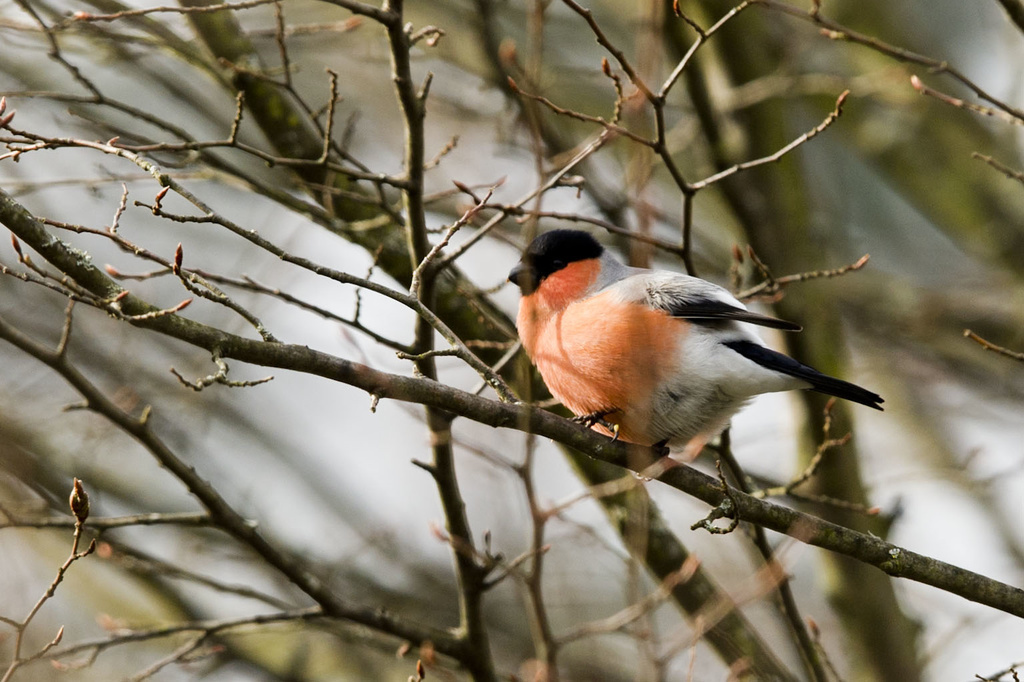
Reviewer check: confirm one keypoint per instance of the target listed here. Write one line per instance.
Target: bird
(653, 357)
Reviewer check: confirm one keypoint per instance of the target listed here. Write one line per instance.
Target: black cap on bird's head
(549, 253)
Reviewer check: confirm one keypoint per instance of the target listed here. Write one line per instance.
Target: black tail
(822, 383)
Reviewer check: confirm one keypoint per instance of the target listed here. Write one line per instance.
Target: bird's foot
(692, 449)
(598, 418)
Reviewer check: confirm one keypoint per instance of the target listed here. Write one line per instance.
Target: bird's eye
(557, 264)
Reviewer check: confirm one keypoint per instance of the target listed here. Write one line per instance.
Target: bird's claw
(592, 418)
(598, 418)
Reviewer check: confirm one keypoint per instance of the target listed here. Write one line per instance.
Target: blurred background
(328, 479)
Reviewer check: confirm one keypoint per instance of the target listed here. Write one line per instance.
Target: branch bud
(79, 502)
(159, 197)
(737, 253)
(9, 117)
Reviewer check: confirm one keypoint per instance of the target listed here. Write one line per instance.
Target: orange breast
(598, 354)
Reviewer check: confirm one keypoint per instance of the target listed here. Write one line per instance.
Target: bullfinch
(658, 358)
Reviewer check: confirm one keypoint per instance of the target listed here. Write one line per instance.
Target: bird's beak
(524, 277)
(517, 272)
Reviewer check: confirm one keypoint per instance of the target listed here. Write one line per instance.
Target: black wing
(711, 310)
(822, 383)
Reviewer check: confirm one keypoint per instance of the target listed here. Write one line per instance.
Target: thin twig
(609, 126)
(771, 285)
(827, 444)
(1001, 167)
(777, 156)
(797, 625)
(470, 573)
(619, 55)
(296, 569)
(208, 628)
(892, 559)
(585, 151)
(702, 37)
(961, 104)
(218, 377)
(209, 216)
(425, 265)
(189, 519)
(988, 345)
(836, 31)
(635, 611)
(79, 502)
(87, 17)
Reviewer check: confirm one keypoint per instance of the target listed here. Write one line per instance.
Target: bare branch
(87, 17)
(79, 503)
(193, 519)
(813, 662)
(988, 345)
(916, 83)
(1001, 167)
(383, 16)
(610, 126)
(224, 515)
(206, 628)
(777, 156)
(836, 31)
(772, 285)
(619, 55)
(219, 377)
(894, 560)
